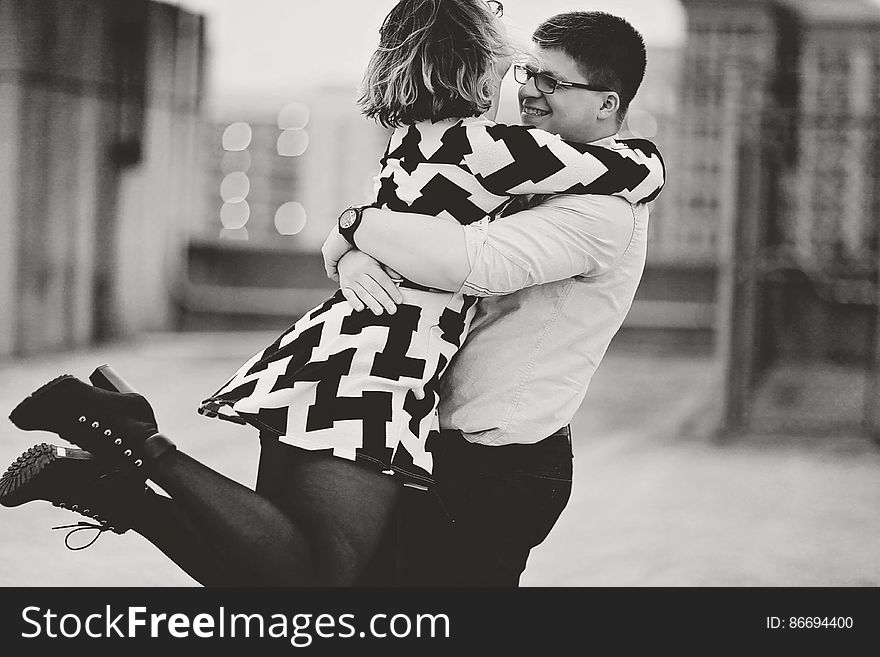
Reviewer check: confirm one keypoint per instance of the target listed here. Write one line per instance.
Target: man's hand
(366, 283)
(334, 247)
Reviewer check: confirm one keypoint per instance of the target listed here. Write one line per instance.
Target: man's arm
(565, 236)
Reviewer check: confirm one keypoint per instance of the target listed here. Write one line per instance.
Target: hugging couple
(414, 428)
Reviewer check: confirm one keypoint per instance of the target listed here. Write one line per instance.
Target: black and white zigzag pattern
(364, 386)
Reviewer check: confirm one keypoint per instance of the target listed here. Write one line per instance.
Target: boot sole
(22, 476)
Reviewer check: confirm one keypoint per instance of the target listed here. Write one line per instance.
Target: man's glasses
(547, 84)
(496, 7)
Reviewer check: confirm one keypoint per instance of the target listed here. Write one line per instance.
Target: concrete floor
(656, 502)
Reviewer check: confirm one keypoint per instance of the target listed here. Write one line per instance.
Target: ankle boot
(118, 427)
(75, 480)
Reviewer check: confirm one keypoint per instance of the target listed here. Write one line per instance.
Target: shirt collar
(606, 141)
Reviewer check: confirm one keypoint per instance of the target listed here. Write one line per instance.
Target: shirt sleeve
(515, 159)
(565, 236)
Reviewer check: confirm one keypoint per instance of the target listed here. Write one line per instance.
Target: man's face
(568, 112)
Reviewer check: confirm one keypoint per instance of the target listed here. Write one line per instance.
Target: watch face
(347, 218)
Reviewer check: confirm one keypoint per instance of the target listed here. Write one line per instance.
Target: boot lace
(101, 525)
(81, 525)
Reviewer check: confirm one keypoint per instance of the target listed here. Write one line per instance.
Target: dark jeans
(490, 506)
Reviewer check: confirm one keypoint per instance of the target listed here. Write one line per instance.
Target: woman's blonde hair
(435, 60)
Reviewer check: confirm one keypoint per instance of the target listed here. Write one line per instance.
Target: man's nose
(529, 89)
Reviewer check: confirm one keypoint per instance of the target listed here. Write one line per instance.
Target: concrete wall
(99, 109)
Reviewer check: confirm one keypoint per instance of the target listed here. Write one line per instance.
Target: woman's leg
(163, 523)
(112, 500)
(345, 506)
(325, 524)
(321, 528)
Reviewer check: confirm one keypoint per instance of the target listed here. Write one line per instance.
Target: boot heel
(106, 377)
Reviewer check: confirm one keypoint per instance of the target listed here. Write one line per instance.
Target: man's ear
(609, 106)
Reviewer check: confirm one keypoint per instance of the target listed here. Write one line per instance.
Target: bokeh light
(641, 123)
(290, 218)
(235, 161)
(237, 136)
(235, 187)
(293, 116)
(235, 215)
(292, 143)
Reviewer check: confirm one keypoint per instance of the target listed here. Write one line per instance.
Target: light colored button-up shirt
(558, 281)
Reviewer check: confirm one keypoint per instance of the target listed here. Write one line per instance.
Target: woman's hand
(367, 283)
(334, 247)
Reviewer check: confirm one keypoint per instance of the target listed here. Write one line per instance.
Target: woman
(365, 386)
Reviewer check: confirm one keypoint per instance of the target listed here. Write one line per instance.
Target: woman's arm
(515, 159)
(424, 249)
(563, 237)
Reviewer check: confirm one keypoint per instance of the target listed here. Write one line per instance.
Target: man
(557, 281)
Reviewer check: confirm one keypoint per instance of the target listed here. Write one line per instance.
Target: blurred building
(674, 305)
(802, 76)
(280, 174)
(316, 151)
(343, 161)
(776, 173)
(833, 201)
(248, 182)
(99, 111)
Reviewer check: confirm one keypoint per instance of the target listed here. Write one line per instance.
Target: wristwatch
(348, 222)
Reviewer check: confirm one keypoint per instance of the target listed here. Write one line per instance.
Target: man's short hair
(609, 51)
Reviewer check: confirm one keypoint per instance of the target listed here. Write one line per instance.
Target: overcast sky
(266, 49)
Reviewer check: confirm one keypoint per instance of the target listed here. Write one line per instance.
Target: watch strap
(348, 224)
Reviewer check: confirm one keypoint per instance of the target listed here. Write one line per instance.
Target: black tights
(314, 520)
